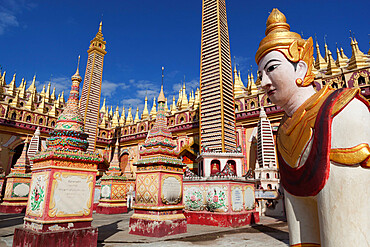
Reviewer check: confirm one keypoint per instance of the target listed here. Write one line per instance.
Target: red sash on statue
(310, 178)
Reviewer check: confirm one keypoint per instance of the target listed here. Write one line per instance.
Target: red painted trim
(309, 179)
(87, 237)
(221, 219)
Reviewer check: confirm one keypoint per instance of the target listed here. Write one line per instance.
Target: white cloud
(7, 20)
(9, 9)
(108, 87)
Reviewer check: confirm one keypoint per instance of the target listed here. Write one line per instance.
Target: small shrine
(159, 183)
(114, 188)
(219, 195)
(60, 204)
(17, 185)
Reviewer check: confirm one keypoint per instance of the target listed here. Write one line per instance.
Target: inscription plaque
(237, 199)
(249, 198)
(171, 190)
(71, 195)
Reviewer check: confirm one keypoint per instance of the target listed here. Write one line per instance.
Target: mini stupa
(114, 188)
(159, 183)
(59, 209)
(17, 185)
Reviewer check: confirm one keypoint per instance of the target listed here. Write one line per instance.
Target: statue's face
(278, 76)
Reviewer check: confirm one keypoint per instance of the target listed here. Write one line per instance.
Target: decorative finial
(276, 22)
(325, 38)
(162, 75)
(78, 64)
(77, 76)
(100, 26)
(161, 97)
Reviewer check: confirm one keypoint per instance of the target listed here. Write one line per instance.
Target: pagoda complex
(60, 204)
(159, 186)
(24, 109)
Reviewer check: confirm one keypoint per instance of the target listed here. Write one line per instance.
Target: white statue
(323, 144)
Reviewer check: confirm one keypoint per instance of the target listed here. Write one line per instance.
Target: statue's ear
(301, 70)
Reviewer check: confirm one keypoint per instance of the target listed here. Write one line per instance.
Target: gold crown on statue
(280, 38)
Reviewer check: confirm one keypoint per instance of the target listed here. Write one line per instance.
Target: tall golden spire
(357, 59)
(343, 55)
(153, 112)
(122, 120)
(115, 119)
(111, 111)
(326, 51)
(166, 106)
(137, 119)
(184, 100)
(238, 84)
(129, 119)
(332, 68)
(191, 98)
(11, 88)
(42, 94)
(58, 101)
(47, 94)
(114, 168)
(21, 85)
(22, 90)
(102, 109)
(179, 99)
(62, 100)
(32, 87)
(320, 62)
(340, 62)
(145, 111)
(52, 97)
(173, 107)
(197, 99)
(2, 79)
(253, 88)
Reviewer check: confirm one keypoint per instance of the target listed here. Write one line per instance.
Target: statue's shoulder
(296, 131)
(350, 136)
(345, 97)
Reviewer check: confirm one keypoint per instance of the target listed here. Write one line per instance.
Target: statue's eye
(272, 67)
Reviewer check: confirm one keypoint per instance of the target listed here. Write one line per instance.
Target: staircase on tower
(35, 145)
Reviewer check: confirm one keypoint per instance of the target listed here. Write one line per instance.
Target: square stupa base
(87, 237)
(221, 219)
(12, 209)
(110, 210)
(157, 228)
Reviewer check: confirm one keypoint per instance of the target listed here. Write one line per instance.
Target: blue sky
(46, 37)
